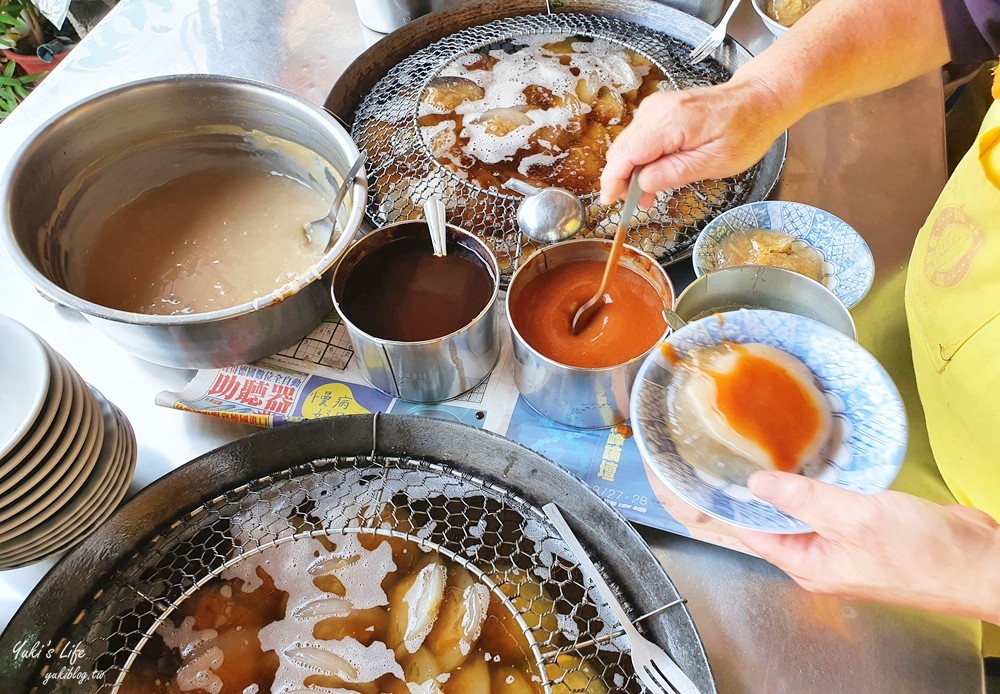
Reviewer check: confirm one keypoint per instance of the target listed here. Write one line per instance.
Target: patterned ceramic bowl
(849, 267)
(777, 29)
(869, 434)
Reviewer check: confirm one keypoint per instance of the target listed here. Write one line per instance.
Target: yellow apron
(953, 312)
(952, 307)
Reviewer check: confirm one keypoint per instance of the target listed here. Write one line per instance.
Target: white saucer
(59, 477)
(75, 529)
(101, 501)
(59, 436)
(48, 532)
(26, 381)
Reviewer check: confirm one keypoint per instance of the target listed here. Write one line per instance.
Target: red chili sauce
(626, 327)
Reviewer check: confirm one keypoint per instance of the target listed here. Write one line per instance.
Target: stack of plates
(66, 454)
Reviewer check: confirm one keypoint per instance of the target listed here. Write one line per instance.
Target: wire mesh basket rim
(56, 602)
(406, 170)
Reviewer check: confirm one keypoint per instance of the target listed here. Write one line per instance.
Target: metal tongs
(655, 668)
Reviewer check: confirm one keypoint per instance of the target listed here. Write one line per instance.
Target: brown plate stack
(67, 455)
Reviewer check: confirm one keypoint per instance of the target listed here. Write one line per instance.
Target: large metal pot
(97, 594)
(113, 146)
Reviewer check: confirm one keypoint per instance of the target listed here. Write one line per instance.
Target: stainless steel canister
(385, 16)
(574, 396)
(763, 287)
(430, 370)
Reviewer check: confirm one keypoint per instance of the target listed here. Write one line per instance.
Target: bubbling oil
(543, 109)
(349, 613)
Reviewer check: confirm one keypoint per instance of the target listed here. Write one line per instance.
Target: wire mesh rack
(490, 529)
(403, 173)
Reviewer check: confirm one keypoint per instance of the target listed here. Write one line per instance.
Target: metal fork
(654, 667)
(714, 39)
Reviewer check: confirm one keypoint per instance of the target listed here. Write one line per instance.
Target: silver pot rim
(62, 296)
(494, 268)
(583, 369)
(818, 287)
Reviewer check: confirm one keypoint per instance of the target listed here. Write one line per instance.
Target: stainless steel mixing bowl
(113, 146)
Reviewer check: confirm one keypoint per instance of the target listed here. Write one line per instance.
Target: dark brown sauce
(402, 292)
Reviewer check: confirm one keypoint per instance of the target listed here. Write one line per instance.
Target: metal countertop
(877, 162)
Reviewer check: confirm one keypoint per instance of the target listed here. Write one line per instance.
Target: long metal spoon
(320, 232)
(434, 212)
(589, 310)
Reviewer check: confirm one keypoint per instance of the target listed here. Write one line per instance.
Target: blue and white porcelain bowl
(849, 266)
(867, 444)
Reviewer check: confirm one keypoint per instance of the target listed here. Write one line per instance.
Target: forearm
(963, 578)
(986, 603)
(840, 50)
(843, 49)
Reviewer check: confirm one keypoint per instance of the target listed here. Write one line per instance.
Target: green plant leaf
(8, 70)
(11, 14)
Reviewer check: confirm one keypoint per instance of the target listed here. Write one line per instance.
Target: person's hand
(687, 136)
(888, 547)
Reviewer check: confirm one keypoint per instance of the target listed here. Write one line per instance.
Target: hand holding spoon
(589, 310)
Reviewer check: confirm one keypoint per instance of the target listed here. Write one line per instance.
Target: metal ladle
(319, 234)
(674, 321)
(548, 215)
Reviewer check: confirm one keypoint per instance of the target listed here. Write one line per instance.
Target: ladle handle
(519, 186)
(338, 200)
(628, 211)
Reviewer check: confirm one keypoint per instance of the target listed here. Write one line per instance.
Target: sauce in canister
(402, 292)
(627, 327)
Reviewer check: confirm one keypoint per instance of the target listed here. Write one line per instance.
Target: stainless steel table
(878, 162)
